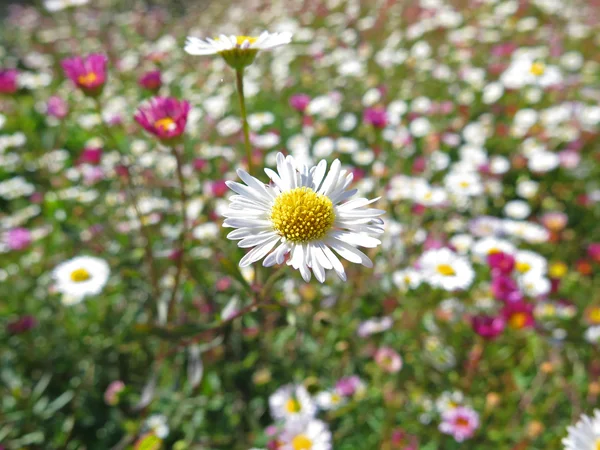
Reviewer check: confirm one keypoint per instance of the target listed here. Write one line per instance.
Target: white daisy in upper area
(527, 71)
(490, 245)
(237, 51)
(311, 435)
(80, 277)
(302, 214)
(585, 434)
(445, 269)
(463, 183)
(407, 279)
(292, 403)
(528, 262)
(330, 400)
(534, 284)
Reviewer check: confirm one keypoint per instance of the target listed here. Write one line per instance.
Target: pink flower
(88, 74)
(151, 80)
(164, 117)
(348, 386)
(460, 422)
(8, 81)
(505, 289)
(21, 325)
(90, 156)
(299, 102)
(111, 395)
(488, 327)
(519, 315)
(57, 107)
(593, 251)
(554, 220)
(377, 117)
(501, 263)
(18, 238)
(388, 359)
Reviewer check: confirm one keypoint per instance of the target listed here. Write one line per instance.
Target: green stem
(239, 75)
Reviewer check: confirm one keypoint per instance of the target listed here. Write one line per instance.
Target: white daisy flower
(330, 400)
(527, 262)
(312, 435)
(80, 277)
(237, 51)
(464, 184)
(407, 279)
(534, 284)
(302, 214)
(585, 434)
(157, 423)
(490, 245)
(445, 269)
(292, 403)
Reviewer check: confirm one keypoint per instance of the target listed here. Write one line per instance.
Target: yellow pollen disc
(537, 69)
(79, 275)
(464, 184)
(292, 406)
(88, 79)
(518, 320)
(165, 124)
(241, 39)
(335, 398)
(301, 442)
(598, 444)
(522, 267)
(446, 270)
(493, 251)
(558, 270)
(301, 215)
(594, 315)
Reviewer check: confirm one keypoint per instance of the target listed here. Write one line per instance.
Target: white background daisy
(585, 434)
(292, 403)
(304, 214)
(445, 269)
(223, 43)
(311, 435)
(80, 277)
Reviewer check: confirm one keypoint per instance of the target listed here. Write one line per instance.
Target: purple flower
(460, 422)
(505, 289)
(388, 359)
(299, 102)
(57, 107)
(501, 263)
(21, 325)
(88, 74)
(91, 156)
(488, 327)
(377, 117)
(164, 117)
(151, 80)
(18, 238)
(8, 81)
(348, 386)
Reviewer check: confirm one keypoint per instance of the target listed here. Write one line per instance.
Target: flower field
(300, 225)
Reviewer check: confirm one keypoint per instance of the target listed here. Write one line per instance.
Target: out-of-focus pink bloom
(419, 165)
(90, 156)
(8, 81)
(88, 74)
(432, 243)
(348, 386)
(200, 164)
(388, 359)
(18, 238)
(569, 159)
(555, 221)
(21, 325)
(377, 117)
(504, 49)
(501, 263)
(151, 80)
(400, 440)
(164, 117)
(375, 325)
(593, 251)
(460, 422)
(223, 284)
(488, 327)
(57, 107)
(519, 315)
(505, 289)
(299, 102)
(218, 188)
(111, 395)
(92, 174)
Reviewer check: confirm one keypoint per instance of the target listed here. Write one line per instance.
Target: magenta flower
(111, 395)
(21, 325)
(88, 74)
(501, 263)
(377, 117)
(91, 156)
(8, 81)
(593, 251)
(348, 386)
(299, 102)
(388, 359)
(505, 289)
(151, 80)
(164, 117)
(18, 238)
(460, 422)
(519, 315)
(57, 107)
(488, 327)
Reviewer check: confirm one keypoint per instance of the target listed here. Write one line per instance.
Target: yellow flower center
(464, 184)
(88, 79)
(293, 406)
(446, 270)
(537, 69)
(594, 314)
(558, 270)
(301, 215)
(241, 39)
(165, 124)
(493, 251)
(518, 320)
(80, 275)
(462, 422)
(335, 398)
(523, 267)
(598, 444)
(301, 442)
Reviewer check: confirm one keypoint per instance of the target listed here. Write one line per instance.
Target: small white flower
(223, 43)
(585, 434)
(535, 284)
(445, 269)
(80, 277)
(311, 435)
(330, 400)
(527, 262)
(302, 214)
(292, 403)
(407, 279)
(157, 423)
